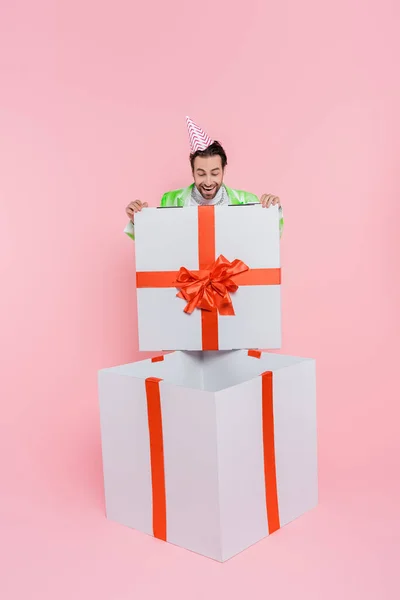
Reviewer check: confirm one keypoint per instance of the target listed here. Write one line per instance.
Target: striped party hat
(199, 140)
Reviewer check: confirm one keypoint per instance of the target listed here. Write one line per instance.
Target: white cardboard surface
(126, 450)
(167, 239)
(241, 467)
(212, 431)
(191, 469)
(295, 439)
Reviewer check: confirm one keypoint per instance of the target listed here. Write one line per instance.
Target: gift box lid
(208, 278)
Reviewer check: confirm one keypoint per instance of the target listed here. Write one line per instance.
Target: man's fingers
(134, 207)
(268, 200)
(137, 206)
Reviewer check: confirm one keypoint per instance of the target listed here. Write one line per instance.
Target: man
(208, 162)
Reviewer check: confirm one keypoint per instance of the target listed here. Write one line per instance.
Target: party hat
(199, 140)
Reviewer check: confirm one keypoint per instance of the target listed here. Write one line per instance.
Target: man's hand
(268, 200)
(134, 207)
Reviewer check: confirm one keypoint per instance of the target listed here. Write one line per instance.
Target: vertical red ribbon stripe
(271, 490)
(209, 319)
(156, 457)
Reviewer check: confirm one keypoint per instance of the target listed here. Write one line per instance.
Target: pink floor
(57, 544)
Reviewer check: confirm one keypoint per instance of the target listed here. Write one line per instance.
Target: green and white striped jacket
(182, 198)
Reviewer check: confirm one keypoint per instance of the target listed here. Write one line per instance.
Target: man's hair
(215, 149)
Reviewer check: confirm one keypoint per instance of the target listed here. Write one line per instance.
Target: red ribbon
(157, 455)
(209, 289)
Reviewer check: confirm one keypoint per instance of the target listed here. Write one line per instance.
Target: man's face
(208, 175)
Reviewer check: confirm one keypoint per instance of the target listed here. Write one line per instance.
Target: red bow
(209, 289)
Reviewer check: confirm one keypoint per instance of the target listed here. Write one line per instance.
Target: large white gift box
(203, 254)
(211, 451)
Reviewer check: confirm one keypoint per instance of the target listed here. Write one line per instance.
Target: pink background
(305, 96)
